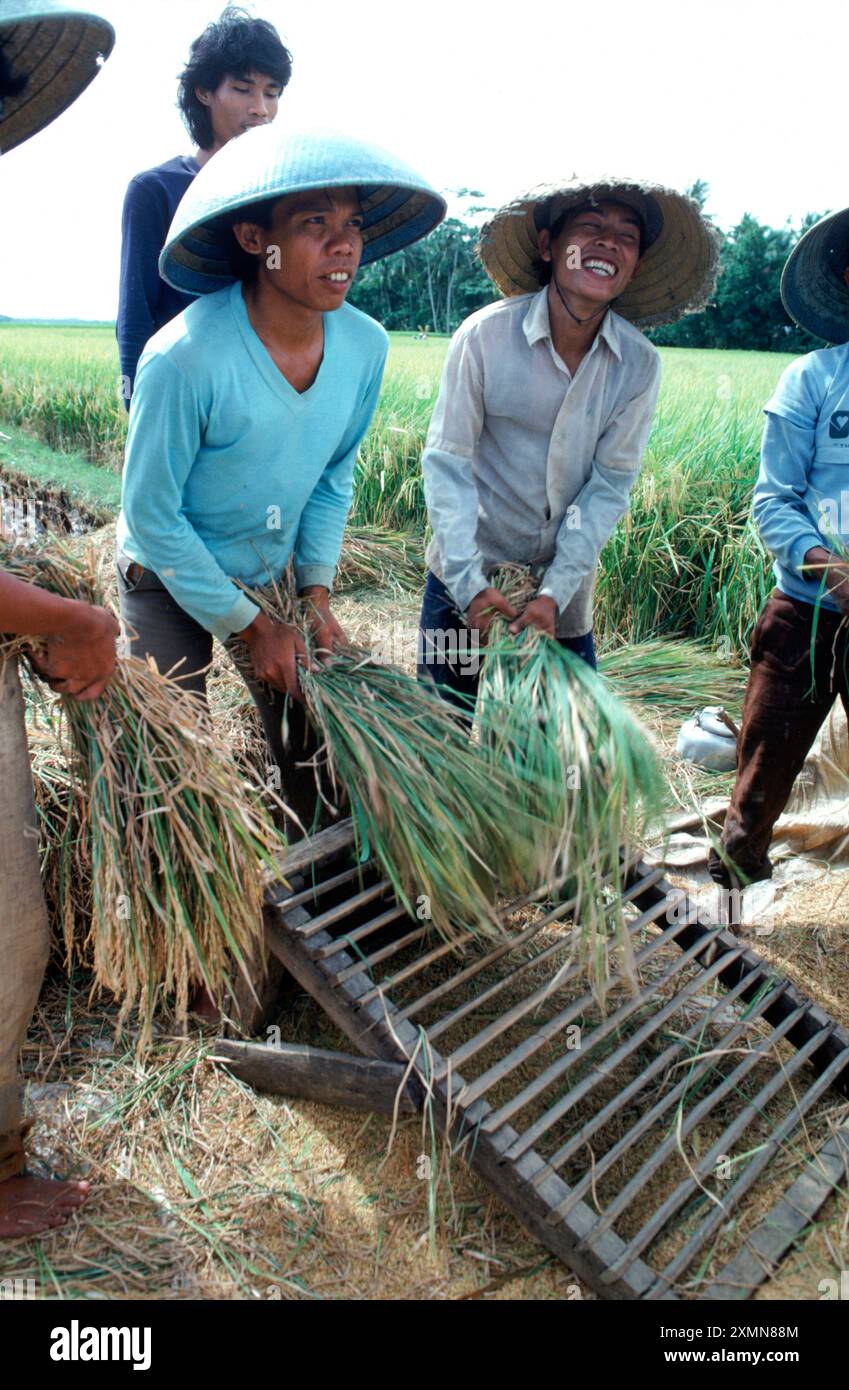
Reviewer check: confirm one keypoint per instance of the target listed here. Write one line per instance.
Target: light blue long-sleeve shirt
(229, 471)
(802, 493)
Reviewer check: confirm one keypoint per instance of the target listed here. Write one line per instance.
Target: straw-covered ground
(203, 1188)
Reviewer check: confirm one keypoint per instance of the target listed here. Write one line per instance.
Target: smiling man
(250, 407)
(233, 81)
(545, 407)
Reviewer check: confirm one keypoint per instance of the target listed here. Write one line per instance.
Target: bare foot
(31, 1205)
(204, 1007)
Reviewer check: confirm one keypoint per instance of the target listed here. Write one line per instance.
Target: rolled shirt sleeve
(591, 517)
(163, 439)
(450, 490)
(322, 524)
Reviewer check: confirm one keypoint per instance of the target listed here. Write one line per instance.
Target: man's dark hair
(235, 45)
(10, 86)
(243, 265)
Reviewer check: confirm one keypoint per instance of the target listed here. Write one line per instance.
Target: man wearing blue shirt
(249, 409)
(233, 81)
(801, 507)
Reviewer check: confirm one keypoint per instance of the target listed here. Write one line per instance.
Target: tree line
(434, 284)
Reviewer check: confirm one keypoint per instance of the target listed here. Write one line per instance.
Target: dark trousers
(798, 669)
(447, 654)
(157, 626)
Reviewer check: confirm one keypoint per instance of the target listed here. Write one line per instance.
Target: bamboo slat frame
(530, 1183)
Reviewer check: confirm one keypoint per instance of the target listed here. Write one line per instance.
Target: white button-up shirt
(525, 462)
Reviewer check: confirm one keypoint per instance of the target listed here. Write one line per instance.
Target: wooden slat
(611, 1023)
(752, 1171)
(334, 1078)
(532, 1189)
(315, 849)
(641, 1127)
(660, 1065)
(340, 943)
(366, 963)
(525, 1049)
(812, 1019)
(364, 1027)
(767, 1246)
(705, 1165)
(343, 909)
(507, 981)
(432, 996)
(416, 966)
(325, 885)
(373, 1026)
(436, 1030)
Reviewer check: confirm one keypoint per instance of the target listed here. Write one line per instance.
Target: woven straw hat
(812, 290)
(398, 205)
(57, 48)
(681, 248)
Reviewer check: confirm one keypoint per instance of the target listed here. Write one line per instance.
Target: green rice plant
(375, 558)
(424, 800)
(62, 385)
(675, 675)
(585, 771)
(162, 840)
(685, 560)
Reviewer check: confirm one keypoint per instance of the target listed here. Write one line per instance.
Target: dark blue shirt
(146, 303)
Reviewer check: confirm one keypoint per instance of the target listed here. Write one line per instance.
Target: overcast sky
(474, 93)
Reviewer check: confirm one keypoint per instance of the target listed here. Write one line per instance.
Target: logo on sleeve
(838, 427)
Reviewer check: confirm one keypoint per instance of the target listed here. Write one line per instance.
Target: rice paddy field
(685, 560)
(205, 1189)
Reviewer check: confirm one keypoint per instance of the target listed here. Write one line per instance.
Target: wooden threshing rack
(609, 1150)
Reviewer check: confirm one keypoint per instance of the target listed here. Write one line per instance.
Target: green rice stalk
(672, 675)
(585, 770)
(376, 558)
(435, 812)
(151, 823)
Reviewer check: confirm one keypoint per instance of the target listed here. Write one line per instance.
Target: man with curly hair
(234, 78)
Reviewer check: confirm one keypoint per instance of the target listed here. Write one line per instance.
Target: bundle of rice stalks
(435, 812)
(375, 558)
(166, 841)
(673, 675)
(584, 768)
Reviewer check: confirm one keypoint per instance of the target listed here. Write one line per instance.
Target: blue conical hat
(399, 206)
(58, 49)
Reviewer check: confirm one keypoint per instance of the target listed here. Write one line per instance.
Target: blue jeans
(449, 657)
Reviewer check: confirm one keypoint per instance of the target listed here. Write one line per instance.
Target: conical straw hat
(58, 49)
(399, 206)
(679, 266)
(812, 289)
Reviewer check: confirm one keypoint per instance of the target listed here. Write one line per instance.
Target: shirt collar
(537, 325)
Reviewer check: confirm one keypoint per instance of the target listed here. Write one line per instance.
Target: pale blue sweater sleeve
(164, 435)
(787, 452)
(323, 519)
